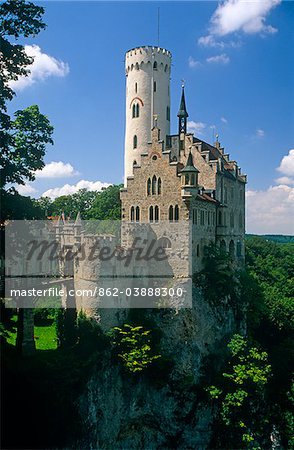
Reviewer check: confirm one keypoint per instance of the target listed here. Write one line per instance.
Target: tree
(18, 18)
(132, 346)
(241, 395)
(28, 135)
(106, 205)
(23, 140)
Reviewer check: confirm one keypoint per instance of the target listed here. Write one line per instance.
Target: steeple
(182, 114)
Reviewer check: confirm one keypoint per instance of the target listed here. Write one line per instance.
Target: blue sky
(239, 79)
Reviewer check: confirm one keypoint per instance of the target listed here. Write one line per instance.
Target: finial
(183, 83)
(216, 137)
(155, 117)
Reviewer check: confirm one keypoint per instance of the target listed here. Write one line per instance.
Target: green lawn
(45, 336)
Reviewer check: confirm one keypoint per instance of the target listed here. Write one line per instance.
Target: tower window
(155, 65)
(151, 214)
(136, 87)
(159, 186)
(171, 213)
(154, 185)
(135, 110)
(135, 141)
(135, 163)
(154, 86)
(156, 213)
(132, 214)
(176, 213)
(149, 186)
(137, 214)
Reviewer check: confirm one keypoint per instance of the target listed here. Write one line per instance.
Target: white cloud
(25, 189)
(195, 127)
(56, 169)
(270, 211)
(285, 180)
(69, 189)
(44, 66)
(260, 132)
(193, 63)
(240, 15)
(210, 41)
(224, 120)
(287, 164)
(218, 59)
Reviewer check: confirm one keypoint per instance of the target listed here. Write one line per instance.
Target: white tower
(147, 100)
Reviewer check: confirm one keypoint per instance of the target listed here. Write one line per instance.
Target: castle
(176, 177)
(180, 192)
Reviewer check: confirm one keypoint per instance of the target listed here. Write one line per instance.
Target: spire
(183, 111)
(189, 167)
(182, 114)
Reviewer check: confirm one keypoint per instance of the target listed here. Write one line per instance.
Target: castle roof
(189, 167)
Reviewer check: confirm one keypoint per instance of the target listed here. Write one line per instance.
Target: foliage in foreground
(241, 396)
(132, 346)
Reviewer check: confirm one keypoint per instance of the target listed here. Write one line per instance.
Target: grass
(45, 336)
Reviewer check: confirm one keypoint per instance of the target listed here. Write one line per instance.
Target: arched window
(137, 66)
(155, 65)
(232, 219)
(137, 109)
(171, 213)
(135, 163)
(154, 86)
(156, 213)
(193, 179)
(132, 214)
(134, 111)
(239, 248)
(187, 180)
(135, 141)
(153, 185)
(220, 219)
(164, 242)
(149, 186)
(136, 87)
(159, 186)
(176, 213)
(165, 68)
(232, 249)
(137, 214)
(197, 250)
(151, 217)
